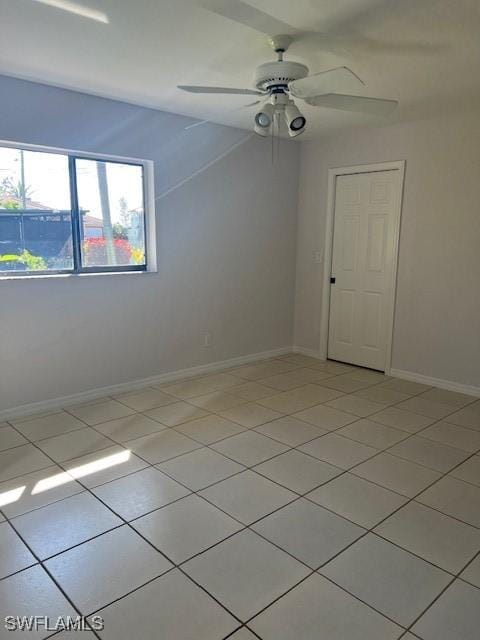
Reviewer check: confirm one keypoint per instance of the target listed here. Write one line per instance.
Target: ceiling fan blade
(200, 89)
(346, 29)
(371, 46)
(244, 13)
(339, 79)
(374, 106)
(339, 35)
(202, 122)
(381, 12)
(351, 43)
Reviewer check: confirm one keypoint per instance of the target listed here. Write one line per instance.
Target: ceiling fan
(282, 80)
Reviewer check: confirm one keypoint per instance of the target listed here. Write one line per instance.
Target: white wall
(437, 319)
(226, 243)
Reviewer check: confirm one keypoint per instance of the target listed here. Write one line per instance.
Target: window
(65, 213)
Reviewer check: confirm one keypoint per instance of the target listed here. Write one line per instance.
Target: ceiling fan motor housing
(273, 74)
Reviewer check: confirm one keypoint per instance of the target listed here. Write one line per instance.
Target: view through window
(64, 213)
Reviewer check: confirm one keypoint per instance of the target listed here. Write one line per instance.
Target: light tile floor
(289, 498)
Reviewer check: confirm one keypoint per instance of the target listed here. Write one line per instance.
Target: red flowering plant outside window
(98, 252)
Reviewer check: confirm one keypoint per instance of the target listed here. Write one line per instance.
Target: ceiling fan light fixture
(264, 116)
(264, 119)
(295, 120)
(297, 123)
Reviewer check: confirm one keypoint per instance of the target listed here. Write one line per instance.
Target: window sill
(49, 276)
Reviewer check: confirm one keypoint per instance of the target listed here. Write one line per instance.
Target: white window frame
(149, 213)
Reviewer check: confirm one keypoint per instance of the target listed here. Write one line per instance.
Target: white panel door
(363, 260)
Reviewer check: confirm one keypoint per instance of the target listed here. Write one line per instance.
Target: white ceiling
(425, 53)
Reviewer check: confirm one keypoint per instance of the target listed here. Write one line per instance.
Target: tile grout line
(179, 567)
(452, 581)
(235, 631)
(98, 401)
(212, 546)
(258, 613)
(125, 522)
(50, 575)
(277, 455)
(371, 530)
(174, 565)
(269, 541)
(299, 496)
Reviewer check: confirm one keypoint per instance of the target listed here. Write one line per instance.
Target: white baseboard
(45, 406)
(436, 382)
(469, 390)
(313, 353)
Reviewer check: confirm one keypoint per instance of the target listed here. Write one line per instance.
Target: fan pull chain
(273, 139)
(278, 139)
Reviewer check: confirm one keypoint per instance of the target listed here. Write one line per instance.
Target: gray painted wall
(226, 242)
(437, 319)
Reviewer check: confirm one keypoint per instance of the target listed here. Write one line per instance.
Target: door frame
(399, 166)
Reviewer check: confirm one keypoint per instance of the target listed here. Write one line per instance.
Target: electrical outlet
(207, 339)
(317, 257)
